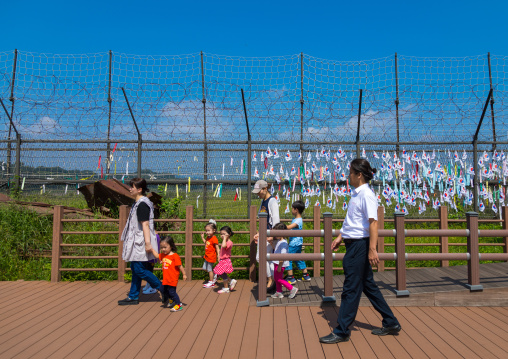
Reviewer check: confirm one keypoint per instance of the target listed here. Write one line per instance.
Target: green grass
(27, 239)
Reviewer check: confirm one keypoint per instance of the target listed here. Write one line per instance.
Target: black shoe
(393, 330)
(333, 338)
(128, 301)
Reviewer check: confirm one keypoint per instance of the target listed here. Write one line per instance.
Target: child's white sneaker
(277, 295)
(210, 284)
(293, 292)
(232, 285)
(223, 290)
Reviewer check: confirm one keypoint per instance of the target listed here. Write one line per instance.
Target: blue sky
(333, 29)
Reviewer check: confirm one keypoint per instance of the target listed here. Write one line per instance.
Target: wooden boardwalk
(83, 320)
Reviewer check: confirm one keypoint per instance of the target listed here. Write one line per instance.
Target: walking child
(171, 269)
(281, 246)
(296, 243)
(225, 266)
(211, 251)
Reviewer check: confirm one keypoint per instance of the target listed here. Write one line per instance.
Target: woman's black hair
(360, 165)
(170, 242)
(139, 183)
(213, 224)
(228, 230)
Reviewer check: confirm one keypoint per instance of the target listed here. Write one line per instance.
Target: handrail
(317, 233)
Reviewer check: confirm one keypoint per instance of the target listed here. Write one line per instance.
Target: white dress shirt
(362, 206)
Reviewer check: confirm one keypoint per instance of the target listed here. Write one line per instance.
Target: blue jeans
(299, 264)
(139, 272)
(359, 278)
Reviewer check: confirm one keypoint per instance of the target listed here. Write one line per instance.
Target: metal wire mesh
(76, 125)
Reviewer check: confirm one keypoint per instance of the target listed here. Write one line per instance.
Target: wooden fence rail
(317, 221)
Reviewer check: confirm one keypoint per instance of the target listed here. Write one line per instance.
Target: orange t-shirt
(210, 252)
(170, 268)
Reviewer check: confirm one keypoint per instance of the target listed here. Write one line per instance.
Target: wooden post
(253, 245)
(56, 250)
(504, 214)
(473, 267)
(123, 215)
(443, 224)
(262, 301)
(381, 240)
(317, 241)
(328, 227)
(400, 249)
(189, 226)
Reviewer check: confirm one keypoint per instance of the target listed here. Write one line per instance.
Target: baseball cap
(259, 186)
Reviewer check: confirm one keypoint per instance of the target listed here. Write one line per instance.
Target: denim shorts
(207, 266)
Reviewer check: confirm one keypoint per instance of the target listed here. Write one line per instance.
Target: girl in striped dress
(225, 266)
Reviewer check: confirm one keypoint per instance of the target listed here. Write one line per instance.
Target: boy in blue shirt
(296, 243)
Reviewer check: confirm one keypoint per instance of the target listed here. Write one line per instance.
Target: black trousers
(359, 278)
(169, 292)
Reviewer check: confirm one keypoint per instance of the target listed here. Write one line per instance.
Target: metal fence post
(17, 169)
(397, 101)
(358, 126)
(443, 224)
(302, 101)
(400, 249)
(328, 285)
(189, 226)
(492, 106)
(262, 275)
(108, 145)
(12, 99)
(123, 215)
(205, 145)
(473, 267)
(317, 241)
(56, 250)
(253, 245)
(380, 240)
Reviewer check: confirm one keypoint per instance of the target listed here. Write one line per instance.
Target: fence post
(443, 224)
(253, 246)
(473, 267)
(317, 241)
(381, 240)
(328, 296)
(205, 144)
(400, 249)
(262, 300)
(56, 250)
(17, 168)
(504, 210)
(12, 99)
(123, 215)
(189, 226)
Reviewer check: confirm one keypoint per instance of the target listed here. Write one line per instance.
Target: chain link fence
(180, 121)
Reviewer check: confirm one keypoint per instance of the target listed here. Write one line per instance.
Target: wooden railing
(189, 245)
(473, 255)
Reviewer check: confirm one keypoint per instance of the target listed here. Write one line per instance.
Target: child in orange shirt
(211, 251)
(171, 268)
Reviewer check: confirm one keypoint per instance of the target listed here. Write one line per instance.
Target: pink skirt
(224, 266)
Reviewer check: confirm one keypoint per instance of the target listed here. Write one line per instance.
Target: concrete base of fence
(402, 293)
(330, 298)
(475, 288)
(262, 303)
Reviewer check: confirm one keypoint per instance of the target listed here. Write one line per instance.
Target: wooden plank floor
(435, 286)
(83, 320)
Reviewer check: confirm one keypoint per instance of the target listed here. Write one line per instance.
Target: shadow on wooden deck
(437, 286)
